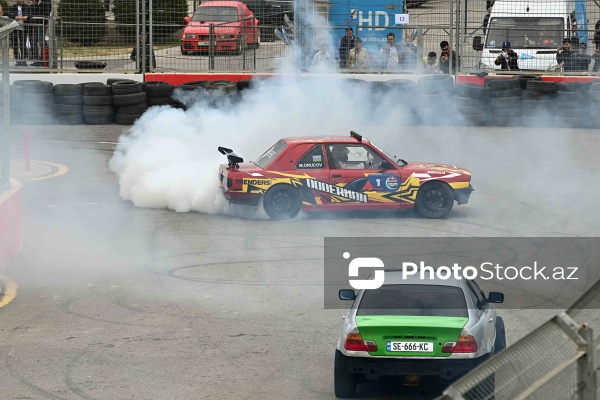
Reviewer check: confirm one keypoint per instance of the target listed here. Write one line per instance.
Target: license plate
(202, 43)
(417, 347)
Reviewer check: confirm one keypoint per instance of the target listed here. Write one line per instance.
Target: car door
(312, 164)
(482, 328)
(356, 170)
(489, 313)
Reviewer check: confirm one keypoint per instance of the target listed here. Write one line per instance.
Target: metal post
(137, 33)
(450, 66)
(419, 50)
(143, 53)
(586, 366)
(4, 132)
(150, 44)
(211, 47)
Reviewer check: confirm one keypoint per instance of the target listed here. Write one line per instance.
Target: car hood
(435, 169)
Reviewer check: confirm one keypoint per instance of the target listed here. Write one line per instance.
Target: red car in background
(340, 173)
(235, 28)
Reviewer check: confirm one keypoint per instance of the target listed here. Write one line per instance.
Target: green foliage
(167, 18)
(82, 21)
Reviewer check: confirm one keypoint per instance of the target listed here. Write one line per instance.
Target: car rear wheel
(434, 200)
(282, 202)
(344, 382)
(500, 342)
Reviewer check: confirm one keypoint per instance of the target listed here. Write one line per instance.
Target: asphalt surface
(119, 302)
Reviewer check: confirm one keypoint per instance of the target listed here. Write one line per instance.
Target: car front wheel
(434, 200)
(282, 202)
(344, 382)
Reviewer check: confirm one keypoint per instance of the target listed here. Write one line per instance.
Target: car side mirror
(347, 294)
(187, 19)
(496, 297)
(477, 43)
(386, 165)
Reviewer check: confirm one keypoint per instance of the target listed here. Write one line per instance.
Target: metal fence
(6, 27)
(138, 36)
(556, 361)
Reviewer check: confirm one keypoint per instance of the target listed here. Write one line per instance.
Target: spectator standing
(20, 13)
(445, 58)
(322, 58)
(507, 59)
(40, 12)
(358, 57)
(596, 58)
(581, 59)
(431, 65)
(390, 54)
(566, 56)
(345, 45)
(408, 54)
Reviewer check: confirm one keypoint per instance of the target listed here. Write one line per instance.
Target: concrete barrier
(11, 203)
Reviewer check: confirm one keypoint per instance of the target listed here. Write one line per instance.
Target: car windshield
(264, 160)
(524, 33)
(216, 14)
(414, 300)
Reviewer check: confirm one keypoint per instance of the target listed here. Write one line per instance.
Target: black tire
(506, 92)
(69, 119)
(68, 100)
(500, 342)
(98, 111)
(159, 89)
(595, 87)
(67, 90)
(38, 87)
(580, 87)
(110, 81)
(129, 99)
(38, 99)
(507, 113)
(126, 87)
(161, 101)
(68, 109)
(97, 100)
(506, 102)
(469, 102)
(561, 97)
(436, 84)
(533, 95)
(344, 382)
(136, 109)
(124, 119)
(473, 91)
(502, 83)
(541, 86)
(96, 89)
(472, 111)
(282, 202)
(434, 200)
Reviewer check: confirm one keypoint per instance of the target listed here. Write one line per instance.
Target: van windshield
(525, 33)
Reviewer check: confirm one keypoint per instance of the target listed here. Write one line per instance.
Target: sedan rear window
(266, 159)
(414, 300)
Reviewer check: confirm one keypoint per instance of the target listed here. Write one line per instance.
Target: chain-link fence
(265, 35)
(556, 361)
(7, 26)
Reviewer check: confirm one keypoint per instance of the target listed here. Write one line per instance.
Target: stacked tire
(474, 104)
(68, 104)
(38, 103)
(159, 94)
(594, 95)
(435, 93)
(97, 104)
(538, 104)
(16, 103)
(505, 101)
(131, 101)
(572, 104)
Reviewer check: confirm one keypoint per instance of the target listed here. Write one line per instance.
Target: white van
(535, 31)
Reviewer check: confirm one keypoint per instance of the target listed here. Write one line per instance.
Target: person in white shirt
(322, 58)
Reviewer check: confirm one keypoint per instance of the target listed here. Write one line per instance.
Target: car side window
(350, 156)
(480, 293)
(312, 159)
(476, 300)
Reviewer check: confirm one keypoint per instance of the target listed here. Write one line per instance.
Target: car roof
(323, 139)
(394, 277)
(222, 3)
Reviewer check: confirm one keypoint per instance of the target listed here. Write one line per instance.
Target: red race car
(340, 173)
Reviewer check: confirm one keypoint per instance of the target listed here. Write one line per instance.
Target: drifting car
(235, 28)
(340, 173)
(412, 327)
